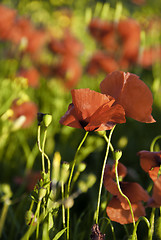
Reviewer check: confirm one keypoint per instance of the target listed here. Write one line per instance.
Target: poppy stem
(119, 188)
(39, 146)
(70, 179)
(102, 174)
(153, 143)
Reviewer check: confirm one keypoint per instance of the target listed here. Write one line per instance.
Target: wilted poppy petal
(149, 160)
(117, 214)
(70, 119)
(132, 93)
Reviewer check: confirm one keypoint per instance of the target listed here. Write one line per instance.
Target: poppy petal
(87, 101)
(134, 192)
(149, 160)
(117, 214)
(132, 93)
(108, 117)
(69, 118)
(136, 98)
(112, 85)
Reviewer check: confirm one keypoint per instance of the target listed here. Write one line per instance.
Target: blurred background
(48, 48)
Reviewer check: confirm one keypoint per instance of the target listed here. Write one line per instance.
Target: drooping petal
(70, 119)
(117, 214)
(112, 85)
(136, 98)
(132, 93)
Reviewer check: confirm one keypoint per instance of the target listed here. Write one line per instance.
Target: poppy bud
(28, 217)
(81, 167)
(42, 193)
(47, 119)
(117, 155)
(64, 173)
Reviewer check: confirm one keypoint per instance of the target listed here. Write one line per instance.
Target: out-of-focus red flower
(32, 76)
(104, 33)
(129, 31)
(118, 208)
(103, 62)
(69, 71)
(14, 29)
(150, 56)
(120, 43)
(68, 45)
(151, 163)
(92, 111)
(130, 92)
(30, 180)
(6, 21)
(27, 109)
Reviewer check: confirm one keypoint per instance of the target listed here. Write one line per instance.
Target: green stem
(118, 185)
(153, 143)
(107, 140)
(29, 232)
(39, 146)
(63, 208)
(70, 179)
(102, 174)
(151, 229)
(44, 154)
(4, 214)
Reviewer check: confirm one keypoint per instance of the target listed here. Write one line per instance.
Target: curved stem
(118, 185)
(70, 179)
(102, 174)
(39, 146)
(153, 143)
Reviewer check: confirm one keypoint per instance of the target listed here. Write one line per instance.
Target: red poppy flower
(150, 56)
(104, 33)
(130, 92)
(69, 71)
(31, 75)
(6, 21)
(101, 62)
(92, 111)
(118, 208)
(150, 162)
(63, 46)
(129, 32)
(156, 195)
(26, 109)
